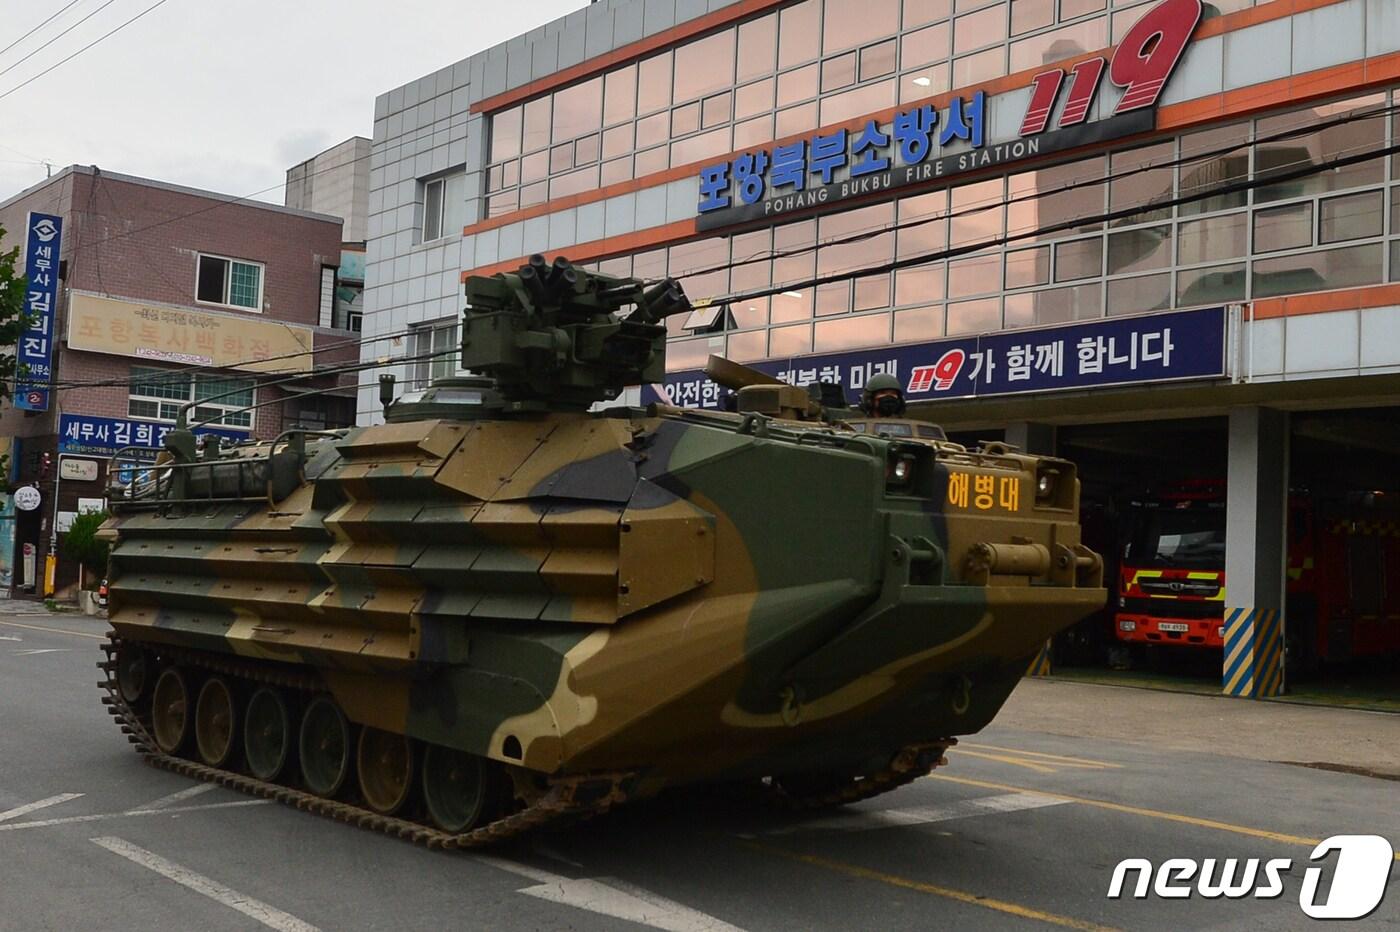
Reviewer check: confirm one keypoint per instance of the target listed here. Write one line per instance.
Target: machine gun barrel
(734, 376)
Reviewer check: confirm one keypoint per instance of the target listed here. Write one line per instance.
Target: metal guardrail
(213, 477)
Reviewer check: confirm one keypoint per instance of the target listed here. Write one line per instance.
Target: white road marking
(27, 808)
(41, 650)
(608, 896)
(254, 909)
(178, 796)
(100, 817)
(6, 637)
(865, 820)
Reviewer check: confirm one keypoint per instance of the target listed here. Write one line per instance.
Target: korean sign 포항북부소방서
(923, 143)
(1103, 353)
(34, 355)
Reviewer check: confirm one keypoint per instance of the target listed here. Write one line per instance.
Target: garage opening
(1343, 576)
(1154, 504)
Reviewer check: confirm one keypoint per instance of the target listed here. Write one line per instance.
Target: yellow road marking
(76, 634)
(1067, 761)
(1014, 761)
(1137, 810)
(865, 873)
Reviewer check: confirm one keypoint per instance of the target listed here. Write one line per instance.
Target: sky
(224, 96)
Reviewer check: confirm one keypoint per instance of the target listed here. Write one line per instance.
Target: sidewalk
(1334, 739)
(24, 607)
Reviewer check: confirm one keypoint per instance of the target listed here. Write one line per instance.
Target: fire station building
(1156, 237)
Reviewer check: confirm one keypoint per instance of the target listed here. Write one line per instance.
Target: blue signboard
(82, 433)
(1100, 353)
(914, 133)
(35, 356)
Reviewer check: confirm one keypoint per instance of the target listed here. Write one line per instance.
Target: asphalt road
(1022, 830)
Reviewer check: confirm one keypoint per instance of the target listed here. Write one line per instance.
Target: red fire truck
(1343, 600)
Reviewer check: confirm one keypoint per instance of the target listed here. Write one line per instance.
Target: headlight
(1050, 479)
(1122, 601)
(904, 474)
(1127, 626)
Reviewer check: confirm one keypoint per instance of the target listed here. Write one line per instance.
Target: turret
(555, 337)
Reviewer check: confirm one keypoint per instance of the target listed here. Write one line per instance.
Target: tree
(81, 543)
(12, 317)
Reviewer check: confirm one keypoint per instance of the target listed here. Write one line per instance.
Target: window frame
(137, 373)
(424, 371)
(200, 256)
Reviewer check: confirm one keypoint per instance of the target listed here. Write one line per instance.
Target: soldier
(883, 396)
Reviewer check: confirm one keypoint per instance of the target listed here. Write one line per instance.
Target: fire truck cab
(1172, 587)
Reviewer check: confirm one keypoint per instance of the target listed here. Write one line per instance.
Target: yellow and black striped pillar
(1040, 666)
(1253, 652)
(1256, 536)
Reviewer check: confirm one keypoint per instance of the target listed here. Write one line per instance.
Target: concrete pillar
(1256, 533)
(1032, 437)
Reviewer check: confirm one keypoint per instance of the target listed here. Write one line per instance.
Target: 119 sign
(1141, 65)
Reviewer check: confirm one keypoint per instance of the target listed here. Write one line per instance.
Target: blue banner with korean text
(84, 433)
(35, 353)
(1100, 353)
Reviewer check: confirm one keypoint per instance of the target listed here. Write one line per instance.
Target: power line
(80, 51)
(186, 372)
(1274, 177)
(1107, 216)
(224, 202)
(56, 38)
(342, 369)
(1102, 181)
(245, 197)
(61, 11)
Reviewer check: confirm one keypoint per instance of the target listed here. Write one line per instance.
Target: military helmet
(881, 382)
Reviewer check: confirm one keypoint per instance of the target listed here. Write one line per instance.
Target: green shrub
(81, 543)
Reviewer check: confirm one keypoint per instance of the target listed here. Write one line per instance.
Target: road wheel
(133, 674)
(324, 747)
(460, 789)
(267, 733)
(170, 718)
(215, 722)
(385, 765)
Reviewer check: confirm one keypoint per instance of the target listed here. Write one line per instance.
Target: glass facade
(804, 65)
(1324, 231)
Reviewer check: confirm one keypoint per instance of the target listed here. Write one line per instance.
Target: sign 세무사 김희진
(34, 354)
(923, 144)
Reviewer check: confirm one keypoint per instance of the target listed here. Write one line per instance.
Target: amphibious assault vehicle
(500, 607)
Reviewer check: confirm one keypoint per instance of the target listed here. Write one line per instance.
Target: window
(433, 340)
(229, 282)
(158, 395)
(444, 206)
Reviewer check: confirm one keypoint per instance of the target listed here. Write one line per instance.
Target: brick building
(172, 296)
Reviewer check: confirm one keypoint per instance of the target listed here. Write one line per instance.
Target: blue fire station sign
(1102, 353)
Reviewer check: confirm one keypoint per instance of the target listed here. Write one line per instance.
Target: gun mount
(557, 337)
(762, 393)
